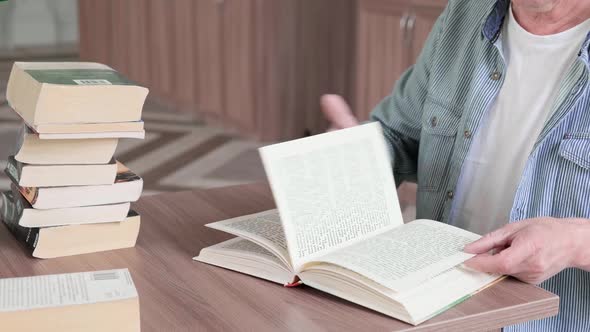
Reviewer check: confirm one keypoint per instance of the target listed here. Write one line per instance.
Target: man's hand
(338, 113)
(533, 250)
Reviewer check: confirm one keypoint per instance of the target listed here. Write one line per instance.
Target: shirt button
(467, 134)
(496, 75)
(433, 121)
(450, 194)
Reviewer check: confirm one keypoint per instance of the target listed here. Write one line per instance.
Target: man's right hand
(337, 112)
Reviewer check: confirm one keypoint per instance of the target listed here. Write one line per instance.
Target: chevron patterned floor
(178, 153)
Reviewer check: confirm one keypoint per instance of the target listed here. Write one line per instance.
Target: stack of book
(69, 196)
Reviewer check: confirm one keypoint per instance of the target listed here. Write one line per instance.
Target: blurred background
(225, 76)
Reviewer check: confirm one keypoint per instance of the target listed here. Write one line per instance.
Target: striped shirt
(430, 119)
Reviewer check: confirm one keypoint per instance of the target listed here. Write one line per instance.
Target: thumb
(337, 112)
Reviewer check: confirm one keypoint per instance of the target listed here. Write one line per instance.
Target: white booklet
(339, 228)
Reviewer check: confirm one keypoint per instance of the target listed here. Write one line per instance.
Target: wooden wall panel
(276, 57)
(208, 63)
(121, 35)
(326, 36)
(240, 80)
(161, 46)
(139, 35)
(306, 51)
(184, 53)
(95, 30)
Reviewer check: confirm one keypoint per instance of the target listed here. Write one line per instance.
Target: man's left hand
(533, 250)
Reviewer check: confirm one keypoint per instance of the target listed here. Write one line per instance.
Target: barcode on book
(99, 276)
(92, 82)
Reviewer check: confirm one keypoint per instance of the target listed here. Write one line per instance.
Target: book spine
(10, 215)
(13, 170)
(19, 140)
(295, 283)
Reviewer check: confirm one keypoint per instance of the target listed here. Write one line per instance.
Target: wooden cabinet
(259, 66)
(390, 36)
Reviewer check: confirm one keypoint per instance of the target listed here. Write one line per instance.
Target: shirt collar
(495, 21)
(493, 26)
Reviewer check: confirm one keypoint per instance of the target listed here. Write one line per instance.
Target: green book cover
(79, 76)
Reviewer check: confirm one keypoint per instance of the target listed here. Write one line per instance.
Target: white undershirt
(535, 68)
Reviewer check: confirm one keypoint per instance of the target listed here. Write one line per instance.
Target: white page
(65, 289)
(332, 188)
(247, 247)
(405, 257)
(264, 228)
(247, 257)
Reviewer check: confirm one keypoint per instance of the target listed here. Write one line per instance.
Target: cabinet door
(382, 51)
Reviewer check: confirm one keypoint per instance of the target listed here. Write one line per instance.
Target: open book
(339, 229)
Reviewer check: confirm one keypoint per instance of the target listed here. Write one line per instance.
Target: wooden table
(178, 294)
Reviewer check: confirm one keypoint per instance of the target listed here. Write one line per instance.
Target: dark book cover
(13, 169)
(10, 215)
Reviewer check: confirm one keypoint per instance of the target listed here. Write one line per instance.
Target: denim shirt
(434, 112)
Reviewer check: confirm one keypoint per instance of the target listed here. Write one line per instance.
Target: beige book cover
(73, 302)
(29, 148)
(69, 240)
(73, 92)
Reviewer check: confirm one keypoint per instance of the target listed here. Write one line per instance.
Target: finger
(509, 261)
(474, 262)
(337, 112)
(496, 239)
(526, 277)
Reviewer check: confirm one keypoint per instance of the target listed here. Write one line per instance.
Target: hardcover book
(339, 229)
(90, 301)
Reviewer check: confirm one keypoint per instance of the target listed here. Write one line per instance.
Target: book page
(245, 247)
(407, 256)
(244, 256)
(263, 228)
(65, 289)
(332, 188)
